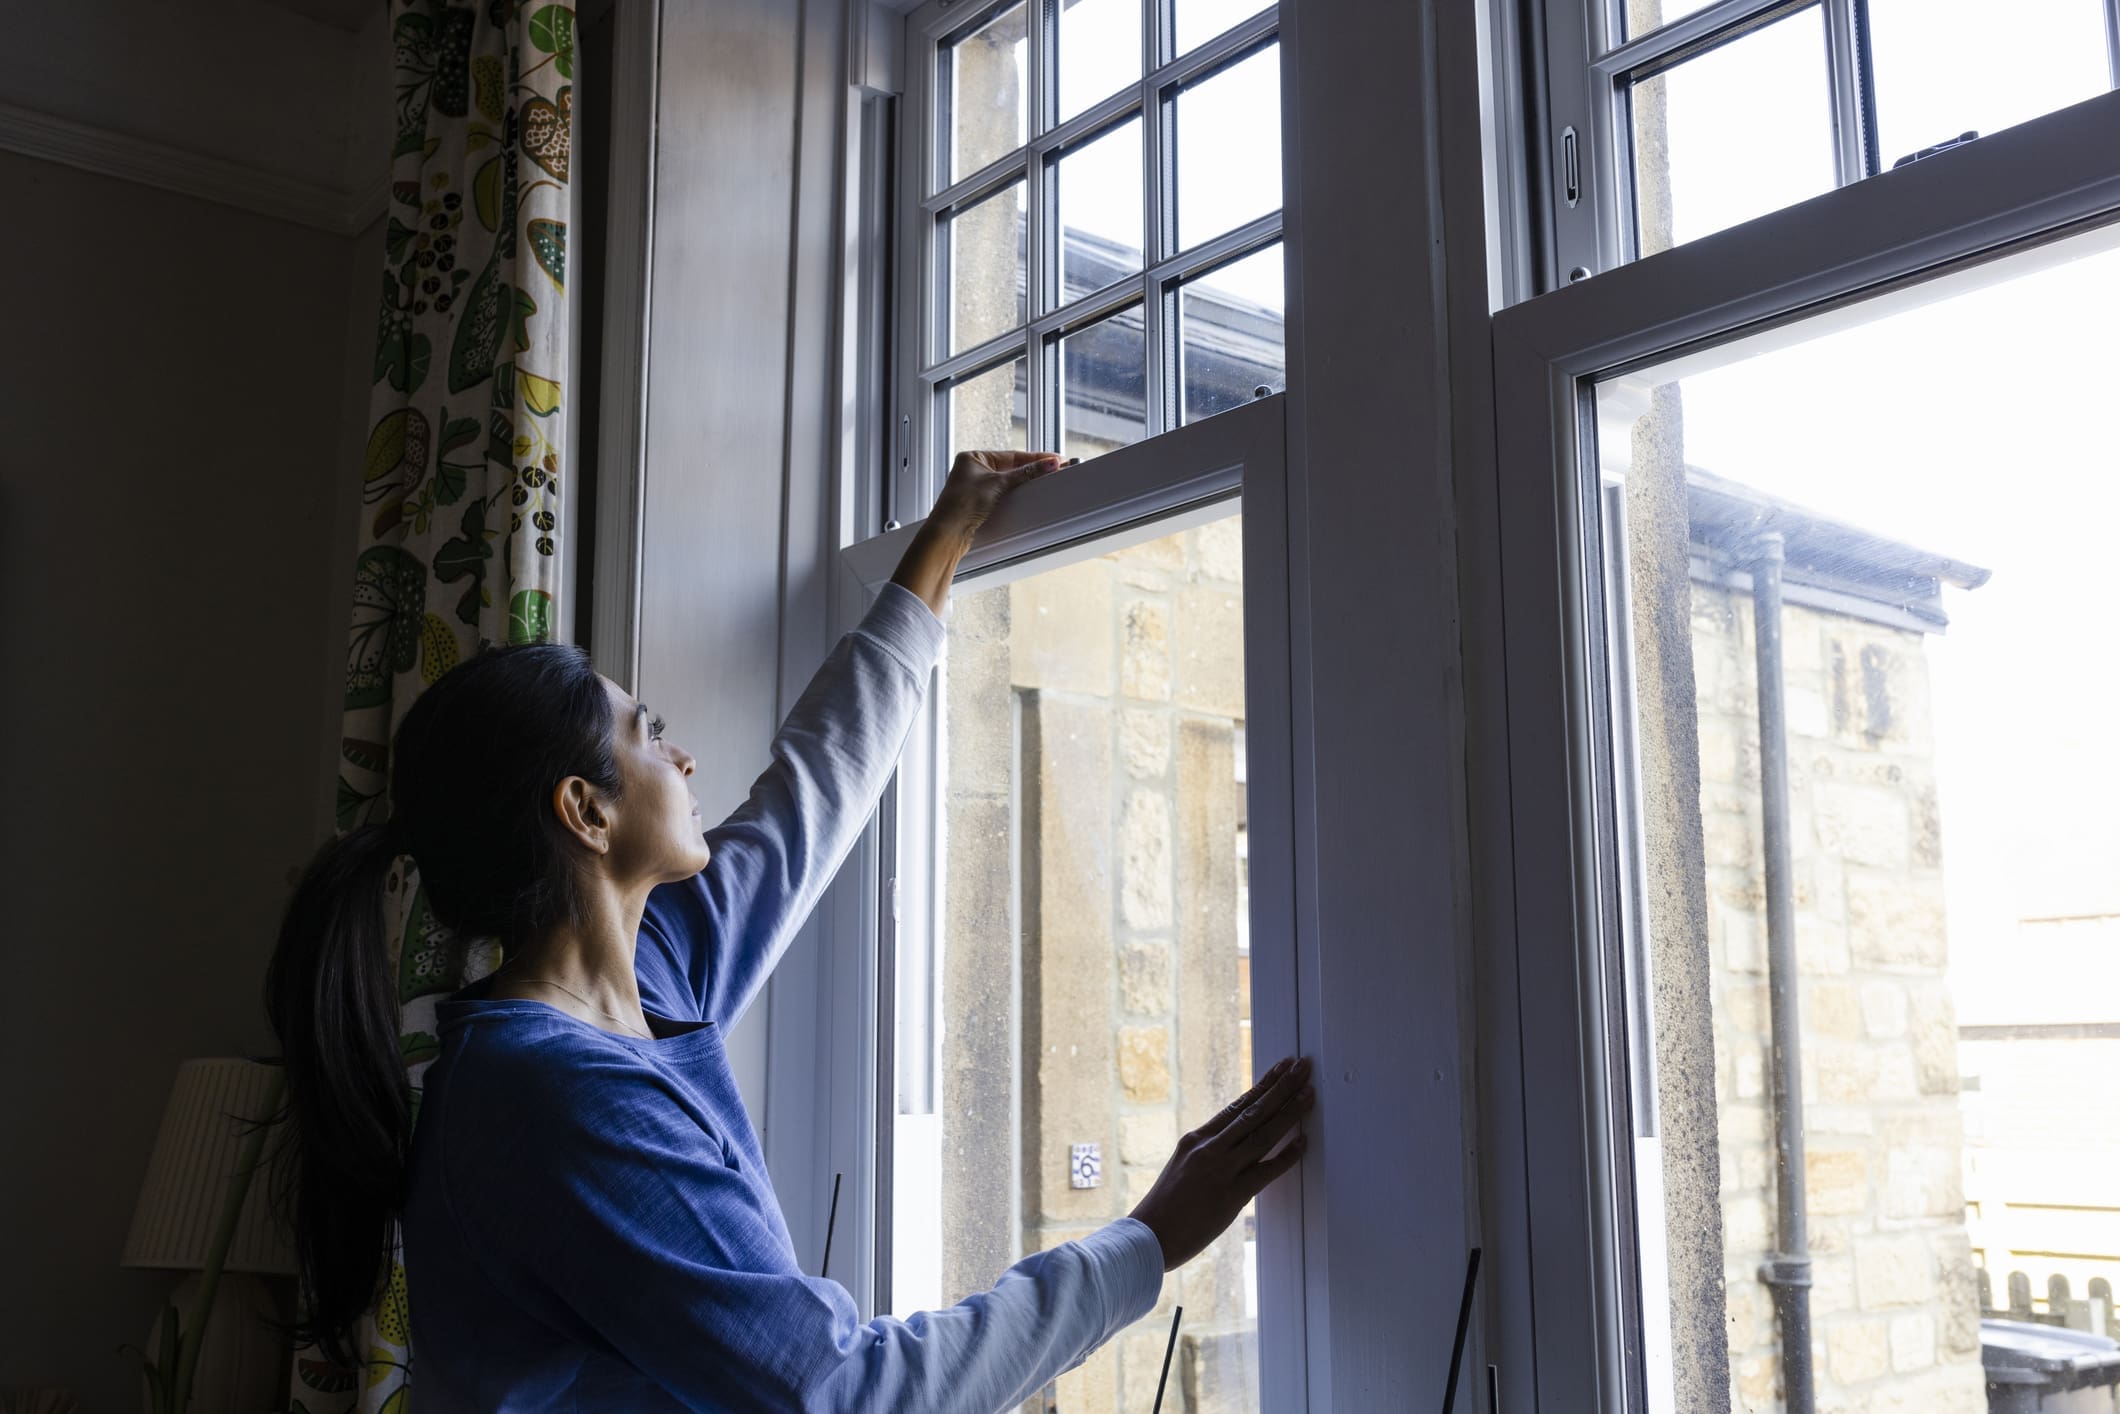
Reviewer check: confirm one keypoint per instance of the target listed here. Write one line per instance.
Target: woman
(587, 1218)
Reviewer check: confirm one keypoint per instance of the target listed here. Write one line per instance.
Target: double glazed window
(1090, 221)
(1669, 121)
(1810, 913)
(1098, 223)
(1083, 994)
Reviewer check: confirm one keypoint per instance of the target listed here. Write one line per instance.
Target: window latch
(1959, 141)
(1571, 168)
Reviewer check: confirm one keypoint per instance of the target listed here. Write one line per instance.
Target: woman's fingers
(1272, 1129)
(1265, 1101)
(1227, 1115)
(1261, 1176)
(1010, 460)
(1013, 466)
(1032, 470)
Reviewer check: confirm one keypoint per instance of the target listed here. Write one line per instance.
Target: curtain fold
(460, 530)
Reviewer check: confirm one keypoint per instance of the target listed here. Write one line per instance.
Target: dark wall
(175, 481)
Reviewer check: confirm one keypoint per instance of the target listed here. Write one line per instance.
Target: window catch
(1571, 168)
(1959, 141)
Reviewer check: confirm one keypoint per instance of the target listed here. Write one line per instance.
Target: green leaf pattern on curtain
(461, 474)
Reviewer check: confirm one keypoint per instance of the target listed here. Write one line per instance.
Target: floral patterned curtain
(467, 429)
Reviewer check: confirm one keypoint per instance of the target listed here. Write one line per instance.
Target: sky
(1976, 426)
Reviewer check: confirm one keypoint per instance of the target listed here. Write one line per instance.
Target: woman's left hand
(976, 484)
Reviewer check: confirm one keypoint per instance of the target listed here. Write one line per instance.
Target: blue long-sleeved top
(589, 1223)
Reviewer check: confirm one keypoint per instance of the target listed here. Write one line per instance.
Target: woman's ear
(574, 802)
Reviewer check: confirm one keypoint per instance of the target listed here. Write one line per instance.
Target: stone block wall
(1092, 984)
(1894, 1306)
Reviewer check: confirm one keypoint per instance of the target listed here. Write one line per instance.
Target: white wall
(739, 378)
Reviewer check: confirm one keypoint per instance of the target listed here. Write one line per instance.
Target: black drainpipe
(1788, 1270)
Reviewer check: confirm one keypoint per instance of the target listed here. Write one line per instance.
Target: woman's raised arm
(727, 927)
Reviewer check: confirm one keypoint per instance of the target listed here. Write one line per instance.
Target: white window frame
(1388, 282)
(925, 365)
(1588, 69)
(1204, 471)
(1552, 1050)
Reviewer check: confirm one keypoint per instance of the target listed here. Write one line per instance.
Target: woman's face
(655, 824)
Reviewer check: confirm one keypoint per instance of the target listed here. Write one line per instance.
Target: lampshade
(196, 1156)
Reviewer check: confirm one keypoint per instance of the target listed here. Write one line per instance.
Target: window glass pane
(986, 268)
(1091, 997)
(1742, 130)
(989, 92)
(1876, 802)
(1638, 17)
(1946, 67)
(1201, 20)
(1100, 51)
(1103, 386)
(1100, 210)
(1230, 338)
(1229, 147)
(989, 411)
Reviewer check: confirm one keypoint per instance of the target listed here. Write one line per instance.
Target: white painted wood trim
(318, 205)
(1083, 507)
(1185, 477)
(626, 246)
(1844, 256)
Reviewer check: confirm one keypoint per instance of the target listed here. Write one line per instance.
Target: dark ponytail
(473, 768)
(332, 996)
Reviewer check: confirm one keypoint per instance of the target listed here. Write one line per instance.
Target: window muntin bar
(1062, 290)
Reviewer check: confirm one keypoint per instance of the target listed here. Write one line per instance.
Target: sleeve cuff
(1128, 1263)
(903, 624)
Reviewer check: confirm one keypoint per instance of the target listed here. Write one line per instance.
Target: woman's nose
(685, 763)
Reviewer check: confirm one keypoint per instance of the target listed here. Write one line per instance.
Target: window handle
(1571, 168)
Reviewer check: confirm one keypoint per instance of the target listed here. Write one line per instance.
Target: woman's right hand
(1222, 1165)
(977, 482)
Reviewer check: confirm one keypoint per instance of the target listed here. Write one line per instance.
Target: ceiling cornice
(136, 159)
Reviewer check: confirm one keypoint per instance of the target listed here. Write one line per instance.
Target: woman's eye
(655, 729)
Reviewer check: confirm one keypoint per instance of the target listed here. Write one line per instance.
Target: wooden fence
(2091, 1312)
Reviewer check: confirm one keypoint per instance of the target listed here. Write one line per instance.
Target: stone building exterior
(1095, 986)
(1894, 1306)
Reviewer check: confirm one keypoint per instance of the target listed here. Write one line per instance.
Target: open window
(1068, 937)
(1069, 983)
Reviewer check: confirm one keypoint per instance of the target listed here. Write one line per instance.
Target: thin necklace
(650, 1035)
